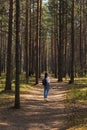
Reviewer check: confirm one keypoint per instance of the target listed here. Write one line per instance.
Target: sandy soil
(35, 113)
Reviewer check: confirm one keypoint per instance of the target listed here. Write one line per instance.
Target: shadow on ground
(35, 113)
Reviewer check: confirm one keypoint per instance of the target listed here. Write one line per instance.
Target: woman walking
(46, 84)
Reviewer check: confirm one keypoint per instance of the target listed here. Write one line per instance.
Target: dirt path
(35, 113)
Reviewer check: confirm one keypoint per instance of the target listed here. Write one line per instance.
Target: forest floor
(35, 113)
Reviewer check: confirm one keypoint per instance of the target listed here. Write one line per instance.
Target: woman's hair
(46, 74)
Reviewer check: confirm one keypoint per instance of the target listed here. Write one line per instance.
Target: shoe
(45, 99)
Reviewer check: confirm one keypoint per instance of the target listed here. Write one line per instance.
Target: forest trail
(35, 113)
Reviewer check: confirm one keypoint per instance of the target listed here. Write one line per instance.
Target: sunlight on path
(35, 113)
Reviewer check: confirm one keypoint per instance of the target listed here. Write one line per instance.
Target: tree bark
(17, 56)
(60, 44)
(9, 49)
(72, 45)
(37, 41)
(27, 40)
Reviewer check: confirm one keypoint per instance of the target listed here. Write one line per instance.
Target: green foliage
(78, 91)
(4, 9)
(46, 21)
(7, 97)
(76, 100)
(80, 72)
(77, 96)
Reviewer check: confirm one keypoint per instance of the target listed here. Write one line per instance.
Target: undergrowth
(7, 97)
(76, 100)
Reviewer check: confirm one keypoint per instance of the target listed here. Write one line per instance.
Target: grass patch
(77, 95)
(8, 96)
(78, 91)
(76, 100)
(78, 128)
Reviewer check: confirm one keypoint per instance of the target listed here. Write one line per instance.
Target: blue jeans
(46, 91)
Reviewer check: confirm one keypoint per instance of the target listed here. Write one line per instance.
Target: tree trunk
(1, 49)
(72, 45)
(30, 40)
(60, 44)
(17, 56)
(37, 41)
(9, 50)
(66, 40)
(27, 40)
(40, 39)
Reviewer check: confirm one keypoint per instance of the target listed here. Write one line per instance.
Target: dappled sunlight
(77, 104)
(37, 113)
(4, 124)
